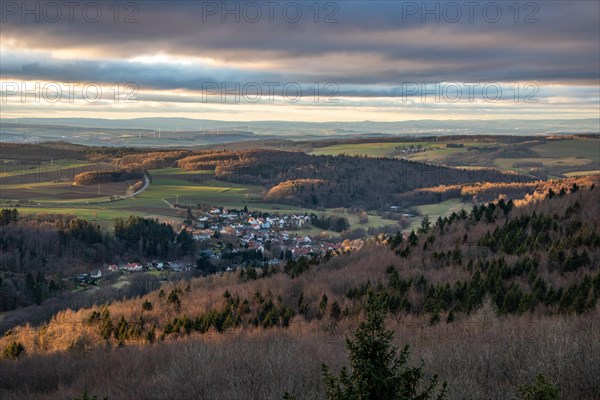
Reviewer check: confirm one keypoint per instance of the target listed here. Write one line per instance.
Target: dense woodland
(475, 294)
(320, 181)
(36, 254)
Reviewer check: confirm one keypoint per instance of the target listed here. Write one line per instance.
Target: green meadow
(562, 157)
(571, 148)
(169, 186)
(436, 152)
(369, 149)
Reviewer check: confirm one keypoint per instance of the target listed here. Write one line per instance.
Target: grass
(362, 149)
(570, 148)
(46, 168)
(436, 210)
(121, 282)
(583, 173)
(507, 163)
(435, 151)
(437, 155)
(369, 149)
(101, 215)
(168, 185)
(557, 157)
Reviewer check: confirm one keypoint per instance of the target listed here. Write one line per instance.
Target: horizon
(323, 61)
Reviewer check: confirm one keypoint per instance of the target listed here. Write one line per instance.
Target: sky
(300, 60)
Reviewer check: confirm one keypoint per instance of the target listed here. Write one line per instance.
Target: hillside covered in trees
(319, 181)
(488, 298)
(35, 255)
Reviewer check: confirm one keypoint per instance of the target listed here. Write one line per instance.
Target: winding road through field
(144, 187)
(147, 181)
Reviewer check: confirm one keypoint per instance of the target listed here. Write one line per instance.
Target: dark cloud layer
(380, 43)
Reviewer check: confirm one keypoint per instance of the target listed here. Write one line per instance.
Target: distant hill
(294, 177)
(320, 129)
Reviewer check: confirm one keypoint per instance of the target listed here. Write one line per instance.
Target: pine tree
(425, 225)
(413, 238)
(378, 370)
(541, 389)
(336, 311)
(106, 325)
(14, 350)
(147, 306)
(323, 306)
(122, 331)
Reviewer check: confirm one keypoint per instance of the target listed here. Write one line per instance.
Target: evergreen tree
(541, 389)
(413, 238)
(378, 370)
(425, 225)
(147, 306)
(122, 331)
(106, 325)
(14, 350)
(336, 311)
(323, 306)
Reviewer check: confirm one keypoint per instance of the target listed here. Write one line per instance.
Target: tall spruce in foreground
(540, 389)
(378, 369)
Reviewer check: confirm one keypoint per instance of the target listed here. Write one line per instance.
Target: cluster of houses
(92, 278)
(283, 233)
(176, 266)
(129, 267)
(223, 221)
(277, 237)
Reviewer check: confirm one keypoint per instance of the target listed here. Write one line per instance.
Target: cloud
(372, 49)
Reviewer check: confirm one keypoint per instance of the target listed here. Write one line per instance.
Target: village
(280, 237)
(229, 239)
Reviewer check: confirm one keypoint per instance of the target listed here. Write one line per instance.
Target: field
(583, 173)
(391, 149)
(441, 209)
(52, 182)
(169, 186)
(582, 149)
(556, 157)
(433, 211)
(47, 187)
(387, 149)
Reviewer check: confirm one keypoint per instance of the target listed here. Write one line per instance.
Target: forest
(333, 181)
(36, 255)
(474, 294)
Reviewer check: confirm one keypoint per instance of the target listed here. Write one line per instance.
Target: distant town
(229, 239)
